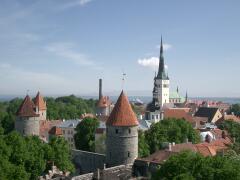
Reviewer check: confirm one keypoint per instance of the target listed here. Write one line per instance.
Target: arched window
(129, 131)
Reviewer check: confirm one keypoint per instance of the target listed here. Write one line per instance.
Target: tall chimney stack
(100, 88)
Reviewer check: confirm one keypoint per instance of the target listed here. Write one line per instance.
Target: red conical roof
(39, 102)
(27, 108)
(122, 113)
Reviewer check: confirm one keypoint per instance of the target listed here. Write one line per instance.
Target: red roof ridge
(27, 108)
(122, 113)
(39, 102)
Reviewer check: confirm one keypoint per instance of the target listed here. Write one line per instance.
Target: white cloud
(74, 3)
(166, 46)
(152, 62)
(65, 50)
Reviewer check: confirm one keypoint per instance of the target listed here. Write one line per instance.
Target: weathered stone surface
(87, 161)
(121, 145)
(27, 125)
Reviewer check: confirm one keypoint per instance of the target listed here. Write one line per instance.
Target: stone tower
(160, 92)
(121, 134)
(41, 107)
(27, 121)
(104, 103)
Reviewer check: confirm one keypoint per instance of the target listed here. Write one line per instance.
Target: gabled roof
(179, 113)
(72, 123)
(176, 95)
(39, 102)
(208, 112)
(27, 108)
(122, 113)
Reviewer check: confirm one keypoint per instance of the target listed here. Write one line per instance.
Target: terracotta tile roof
(39, 102)
(122, 113)
(45, 126)
(232, 118)
(55, 131)
(179, 113)
(158, 157)
(205, 149)
(104, 101)
(27, 108)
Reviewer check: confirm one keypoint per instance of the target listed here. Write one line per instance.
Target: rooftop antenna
(123, 79)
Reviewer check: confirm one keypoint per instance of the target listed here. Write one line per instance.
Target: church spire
(161, 69)
(186, 97)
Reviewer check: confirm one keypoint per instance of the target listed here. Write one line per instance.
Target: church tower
(121, 134)
(160, 92)
(161, 82)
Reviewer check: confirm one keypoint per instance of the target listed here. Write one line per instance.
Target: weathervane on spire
(28, 91)
(123, 78)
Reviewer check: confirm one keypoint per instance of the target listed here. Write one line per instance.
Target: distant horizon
(145, 99)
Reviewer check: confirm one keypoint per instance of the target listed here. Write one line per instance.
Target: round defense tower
(122, 134)
(27, 122)
(27, 125)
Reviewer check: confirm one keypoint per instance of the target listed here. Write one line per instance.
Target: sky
(63, 47)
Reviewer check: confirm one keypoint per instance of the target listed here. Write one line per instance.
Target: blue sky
(64, 46)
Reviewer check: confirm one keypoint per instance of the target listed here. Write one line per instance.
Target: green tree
(59, 153)
(28, 157)
(233, 128)
(170, 130)
(143, 147)
(85, 134)
(69, 107)
(236, 109)
(190, 165)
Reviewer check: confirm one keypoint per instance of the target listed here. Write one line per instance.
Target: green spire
(161, 69)
(186, 97)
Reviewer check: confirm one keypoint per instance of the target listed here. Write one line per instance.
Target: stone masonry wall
(121, 145)
(27, 125)
(87, 161)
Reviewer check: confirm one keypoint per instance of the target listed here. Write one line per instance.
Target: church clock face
(165, 85)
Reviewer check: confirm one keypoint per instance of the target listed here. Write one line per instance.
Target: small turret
(41, 107)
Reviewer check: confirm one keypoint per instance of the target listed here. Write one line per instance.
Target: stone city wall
(87, 161)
